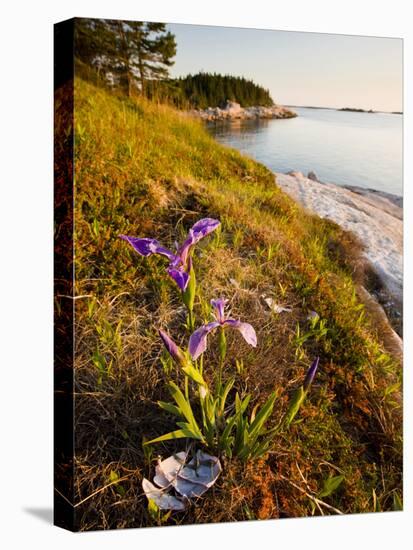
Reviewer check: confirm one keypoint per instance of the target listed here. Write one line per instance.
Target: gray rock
(232, 107)
(313, 176)
(295, 174)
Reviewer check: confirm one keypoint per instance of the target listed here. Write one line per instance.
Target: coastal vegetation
(205, 90)
(145, 169)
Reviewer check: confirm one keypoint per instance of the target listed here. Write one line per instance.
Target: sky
(299, 68)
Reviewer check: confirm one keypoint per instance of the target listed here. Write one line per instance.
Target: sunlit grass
(146, 170)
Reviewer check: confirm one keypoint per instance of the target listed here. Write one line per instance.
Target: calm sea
(363, 149)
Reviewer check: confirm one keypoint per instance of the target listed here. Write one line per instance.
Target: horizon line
(351, 109)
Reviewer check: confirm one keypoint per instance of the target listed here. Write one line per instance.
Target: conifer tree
(131, 53)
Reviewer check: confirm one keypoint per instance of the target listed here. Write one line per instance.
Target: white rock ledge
(376, 218)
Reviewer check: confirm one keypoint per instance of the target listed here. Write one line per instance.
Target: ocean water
(346, 148)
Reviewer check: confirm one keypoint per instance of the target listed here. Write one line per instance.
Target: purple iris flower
(310, 374)
(180, 263)
(198, 339)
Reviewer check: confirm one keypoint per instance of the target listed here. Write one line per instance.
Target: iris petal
(219, 306)
(200, 229)
(146, 247)
(186, 247)
(198, 339)
(247, 331)
(180, 276)
(203, 227)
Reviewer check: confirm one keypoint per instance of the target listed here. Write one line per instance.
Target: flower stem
(188, 297)
(190, 320)
(222, 354)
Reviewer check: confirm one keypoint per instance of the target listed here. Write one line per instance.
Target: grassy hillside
(148, 171)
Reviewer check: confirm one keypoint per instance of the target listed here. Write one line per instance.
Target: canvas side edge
(64, 511)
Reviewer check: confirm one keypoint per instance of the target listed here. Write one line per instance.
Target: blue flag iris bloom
(180, 263)
(198, 339)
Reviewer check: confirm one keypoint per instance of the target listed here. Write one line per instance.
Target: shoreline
(234, 111)
(375, 217)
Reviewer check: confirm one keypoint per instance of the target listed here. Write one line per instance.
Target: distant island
(311, 107)
(355, 110)
(203, 90)
(214, 97)
(345, 109)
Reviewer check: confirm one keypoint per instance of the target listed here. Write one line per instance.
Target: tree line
(135, 57)
(204, 90)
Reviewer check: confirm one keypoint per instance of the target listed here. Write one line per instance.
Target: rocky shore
(234, 111)
(375, 217)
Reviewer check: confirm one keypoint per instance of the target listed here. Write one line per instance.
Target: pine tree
(155, 48)
(93, 43)
(131, 53)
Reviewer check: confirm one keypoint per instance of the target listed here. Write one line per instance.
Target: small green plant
(300, 394)
(114, 479)
(330, 485)
(156, 513)
(317, 331)
(103, 366)
(110, 335)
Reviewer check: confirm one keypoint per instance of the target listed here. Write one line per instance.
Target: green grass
(146, 170)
